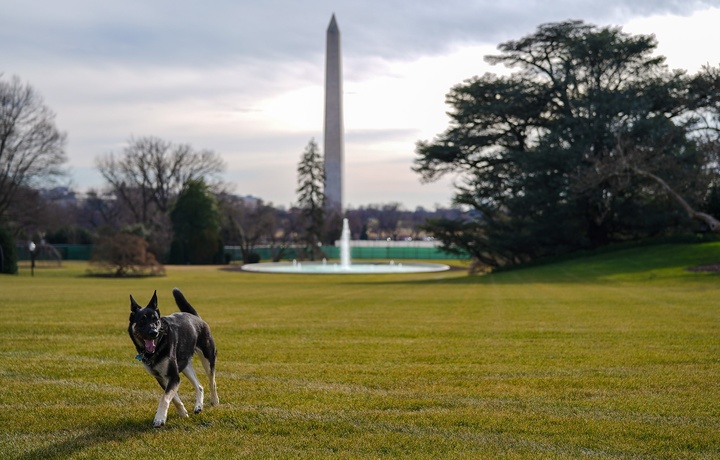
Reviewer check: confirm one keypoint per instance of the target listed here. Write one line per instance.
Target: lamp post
(32, 248)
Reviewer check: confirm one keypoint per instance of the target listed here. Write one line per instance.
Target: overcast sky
(245, 77)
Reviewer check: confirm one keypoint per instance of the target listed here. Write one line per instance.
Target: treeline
(60, 216)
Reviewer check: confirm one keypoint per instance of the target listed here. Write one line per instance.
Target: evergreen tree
(528, 146)
(311, 197)
(196, 226)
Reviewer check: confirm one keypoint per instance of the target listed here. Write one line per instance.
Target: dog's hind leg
(179, 405)
(209, 367)
(189, 372)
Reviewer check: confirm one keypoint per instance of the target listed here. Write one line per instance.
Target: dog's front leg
(170, 395)
(176, 399)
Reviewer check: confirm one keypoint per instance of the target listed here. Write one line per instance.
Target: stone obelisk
(334, 143)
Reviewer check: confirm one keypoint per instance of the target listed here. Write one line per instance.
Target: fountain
(345, 266)
(345, 246)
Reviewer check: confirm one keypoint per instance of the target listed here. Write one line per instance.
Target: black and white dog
(166, 345)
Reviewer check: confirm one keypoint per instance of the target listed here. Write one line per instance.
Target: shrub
(252, 258)
(124, 254)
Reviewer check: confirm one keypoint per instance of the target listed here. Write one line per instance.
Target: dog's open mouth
(150, 345)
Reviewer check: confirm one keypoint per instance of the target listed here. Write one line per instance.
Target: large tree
(32, 150)
(524, 144)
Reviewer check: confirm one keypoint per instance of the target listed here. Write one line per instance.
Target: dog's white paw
(158, 422)
(214, 401)
(198, 409)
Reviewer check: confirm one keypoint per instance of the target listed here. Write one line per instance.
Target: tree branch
(709, 220)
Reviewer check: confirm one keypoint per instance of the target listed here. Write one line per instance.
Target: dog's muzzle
(150, 337)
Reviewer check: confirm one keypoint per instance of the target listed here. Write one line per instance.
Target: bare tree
(99, 209)
(147, 178)
(151, 172)
(32, 149)
(248, 225)
(388, 219)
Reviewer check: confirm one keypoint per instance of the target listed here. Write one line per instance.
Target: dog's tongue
(150, 345)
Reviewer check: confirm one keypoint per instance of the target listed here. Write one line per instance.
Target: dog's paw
(214, 401)
(198, 409)
(158, 422)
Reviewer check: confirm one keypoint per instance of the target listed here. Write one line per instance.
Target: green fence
(55, 251)
(362, 252)
(385, 251)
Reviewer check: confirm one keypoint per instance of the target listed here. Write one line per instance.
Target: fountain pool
(345, 266)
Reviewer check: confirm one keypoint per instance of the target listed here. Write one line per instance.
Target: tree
(248, 225)
(196, 226)
(523, 145)
(99, 209)
(32, 150)
(389, 219)
(311, 197)
(150, 174)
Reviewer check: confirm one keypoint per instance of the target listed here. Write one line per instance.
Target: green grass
(613, 356)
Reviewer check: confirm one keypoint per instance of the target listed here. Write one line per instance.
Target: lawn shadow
(116, 431)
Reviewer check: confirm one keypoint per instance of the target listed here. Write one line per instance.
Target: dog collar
(145, 358)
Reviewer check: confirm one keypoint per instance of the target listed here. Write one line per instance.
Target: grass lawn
(612, 356)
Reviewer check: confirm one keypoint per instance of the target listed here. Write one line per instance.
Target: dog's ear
(133, 305)
(153, 302)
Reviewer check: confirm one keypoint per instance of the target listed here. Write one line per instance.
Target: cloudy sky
(245, 77)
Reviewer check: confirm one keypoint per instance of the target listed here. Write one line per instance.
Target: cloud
(245, 78)
(682, 49)
(185, 32)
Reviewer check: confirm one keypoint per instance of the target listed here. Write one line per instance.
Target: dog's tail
(182, 303)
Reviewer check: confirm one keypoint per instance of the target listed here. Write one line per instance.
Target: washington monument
(334, 144)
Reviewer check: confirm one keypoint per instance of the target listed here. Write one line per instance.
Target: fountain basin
(346, 266)
(328, 268)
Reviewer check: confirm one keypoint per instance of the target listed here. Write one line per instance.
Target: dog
(166, 345)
